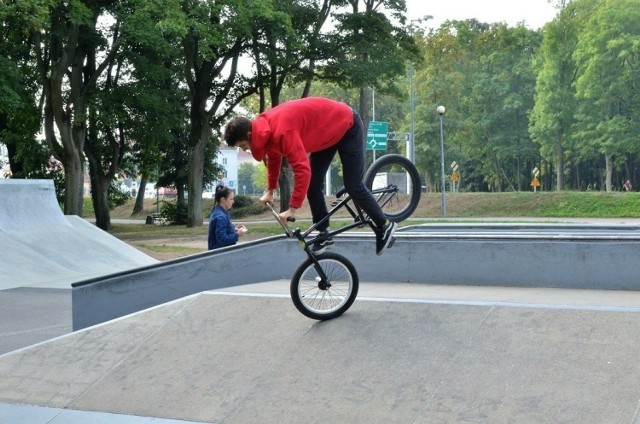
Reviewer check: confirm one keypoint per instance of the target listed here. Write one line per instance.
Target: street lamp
(441, 110)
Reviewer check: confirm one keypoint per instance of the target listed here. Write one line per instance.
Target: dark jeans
(351, 151)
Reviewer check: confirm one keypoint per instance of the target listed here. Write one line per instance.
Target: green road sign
(377, 135)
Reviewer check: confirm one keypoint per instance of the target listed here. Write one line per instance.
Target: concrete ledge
(556, 260)
(105, 298)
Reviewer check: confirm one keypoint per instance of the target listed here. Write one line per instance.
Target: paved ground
(29, 316)
(402, 353)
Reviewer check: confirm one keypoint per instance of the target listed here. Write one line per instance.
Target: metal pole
(373, 95)
(412, 133)
(442, 184)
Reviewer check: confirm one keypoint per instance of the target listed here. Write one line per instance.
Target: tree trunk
(73, 185)
(100, 198)
(194, 183)
(139, 205)
(609, 169)
(284, 182)
(363, 106)
(15, 164)
(559, 165)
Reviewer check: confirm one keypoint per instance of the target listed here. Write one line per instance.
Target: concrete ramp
(232, 358)
(41, 247)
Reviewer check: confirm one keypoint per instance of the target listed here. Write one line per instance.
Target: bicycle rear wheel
(320, 299)
(395, 183)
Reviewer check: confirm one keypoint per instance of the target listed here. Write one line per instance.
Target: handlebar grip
(291, 219)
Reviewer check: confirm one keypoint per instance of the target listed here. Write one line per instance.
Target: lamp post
(411, 142)
(441, 110)
(412, 131)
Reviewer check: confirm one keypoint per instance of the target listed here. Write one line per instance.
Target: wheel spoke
(325, 301)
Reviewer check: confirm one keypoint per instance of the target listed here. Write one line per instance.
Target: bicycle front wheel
(395, 183)
(324, 298)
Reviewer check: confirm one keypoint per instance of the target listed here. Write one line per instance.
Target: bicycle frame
(325, 285)
(360, 219)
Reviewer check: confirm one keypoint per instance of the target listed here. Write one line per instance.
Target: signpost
(377, 135)
(455, 177)
(535, 183)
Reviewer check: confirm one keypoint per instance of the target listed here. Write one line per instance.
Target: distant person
(627, 186)
(309, 132)
(221, 231)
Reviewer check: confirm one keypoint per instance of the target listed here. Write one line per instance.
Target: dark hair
(222, 192)
(237, 129)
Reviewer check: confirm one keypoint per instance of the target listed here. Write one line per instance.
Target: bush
(242, 202)
(253, 209)
(246, 206)
(117, 197)
(174, 214)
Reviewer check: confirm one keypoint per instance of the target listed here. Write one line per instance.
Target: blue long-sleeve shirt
(221, 230)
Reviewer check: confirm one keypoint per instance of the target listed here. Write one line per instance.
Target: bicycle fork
(321, 279)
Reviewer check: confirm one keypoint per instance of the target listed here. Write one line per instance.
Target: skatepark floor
(402, 353)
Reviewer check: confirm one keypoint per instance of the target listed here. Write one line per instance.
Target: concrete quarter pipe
(43, 248)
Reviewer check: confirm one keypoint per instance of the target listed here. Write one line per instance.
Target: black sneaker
(384, 237)
(319, 247)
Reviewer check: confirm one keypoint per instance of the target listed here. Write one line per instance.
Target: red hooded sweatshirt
(294, 129)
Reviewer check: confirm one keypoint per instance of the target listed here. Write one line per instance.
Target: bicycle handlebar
(277, 217)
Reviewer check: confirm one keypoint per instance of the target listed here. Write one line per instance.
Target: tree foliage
(144, 86)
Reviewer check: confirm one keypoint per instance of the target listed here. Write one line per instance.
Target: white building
(4, 161)
(227, 158)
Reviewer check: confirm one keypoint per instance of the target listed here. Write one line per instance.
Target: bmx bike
(324, 286)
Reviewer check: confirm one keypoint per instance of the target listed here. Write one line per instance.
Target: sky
(534, 13)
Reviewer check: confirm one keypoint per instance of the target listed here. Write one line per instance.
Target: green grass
(459, 205)
(590, 204)
(141, 232)
(181, 250)
(165, 241)
(528, 204)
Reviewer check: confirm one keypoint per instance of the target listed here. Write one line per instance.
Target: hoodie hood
(260, 136)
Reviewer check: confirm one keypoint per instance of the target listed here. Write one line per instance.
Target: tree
(484, 76)
(19, 114)
(553, 114)
(372, 47)
(608, 56)
(439, 80)
(499, 96)
(72, 53)
(213, 45)
(288, 50)
(245, 178)
(259, 177)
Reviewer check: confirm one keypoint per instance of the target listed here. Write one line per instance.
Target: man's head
(238, 132)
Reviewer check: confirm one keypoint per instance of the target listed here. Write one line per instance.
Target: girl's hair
(222, 191)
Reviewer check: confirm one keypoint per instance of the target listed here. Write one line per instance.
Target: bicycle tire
(397, 205)
(324, 303)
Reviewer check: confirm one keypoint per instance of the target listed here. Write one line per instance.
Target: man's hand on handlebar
(288, 215)
(267, 197)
